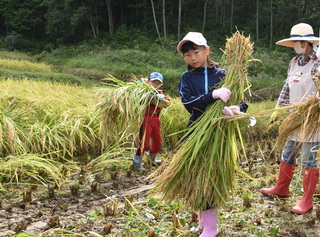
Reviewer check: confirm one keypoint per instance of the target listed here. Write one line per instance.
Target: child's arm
(164, 100)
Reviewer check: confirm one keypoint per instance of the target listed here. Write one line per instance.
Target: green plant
(274, 230)
(14, 41)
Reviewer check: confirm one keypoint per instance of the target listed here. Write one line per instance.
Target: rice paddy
(25, 65)
(60, 175)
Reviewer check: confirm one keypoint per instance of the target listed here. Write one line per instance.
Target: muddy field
(118, 203)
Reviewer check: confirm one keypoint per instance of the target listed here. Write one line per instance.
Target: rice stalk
(303, 119)
(203, 169)
(113, 155)
(11, 133)
(174, 120)
(1, 138)
(60, 122)
(12, 136)
(18, 168)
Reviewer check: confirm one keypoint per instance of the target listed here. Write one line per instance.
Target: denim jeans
(307, 150)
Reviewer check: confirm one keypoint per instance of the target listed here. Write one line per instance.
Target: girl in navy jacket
(198, 89)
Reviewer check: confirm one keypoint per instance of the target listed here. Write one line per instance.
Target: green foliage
(274, 231)
(22, 16)
(14, 41)
(130, 37)
(25, 234)
(70, 21)
(21, 66)
(63, 19)
(92, 61)
(271, 70)
(94, 215)
(15, 56)
(98, 61)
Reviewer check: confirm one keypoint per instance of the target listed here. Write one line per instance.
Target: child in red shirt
(150, 128)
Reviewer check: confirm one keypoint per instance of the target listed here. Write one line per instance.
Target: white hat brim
(289, 42)
(182, 42)
(156, 79)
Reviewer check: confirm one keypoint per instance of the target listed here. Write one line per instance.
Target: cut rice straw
(122, 105)
(303, 120)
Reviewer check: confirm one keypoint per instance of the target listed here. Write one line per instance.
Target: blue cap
(156, 76)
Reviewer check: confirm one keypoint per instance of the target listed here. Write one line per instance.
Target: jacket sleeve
(190, 100)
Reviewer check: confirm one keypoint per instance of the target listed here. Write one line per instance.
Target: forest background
(56, 23)
(69, 27)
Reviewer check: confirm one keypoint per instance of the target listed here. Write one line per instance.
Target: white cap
(195, 37)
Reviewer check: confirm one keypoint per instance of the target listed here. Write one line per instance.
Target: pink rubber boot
(209, 221)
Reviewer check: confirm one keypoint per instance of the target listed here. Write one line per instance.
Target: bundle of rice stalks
(173, 122)
(303, 120)
(32, 167)
(202, 170)
(114, 155)
(122, 105)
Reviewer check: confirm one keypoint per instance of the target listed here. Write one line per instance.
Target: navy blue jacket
(195, 89)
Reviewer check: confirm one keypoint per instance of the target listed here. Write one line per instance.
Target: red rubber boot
(310, 179)
(282, 187)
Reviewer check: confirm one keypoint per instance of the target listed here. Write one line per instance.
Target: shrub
(14, 41)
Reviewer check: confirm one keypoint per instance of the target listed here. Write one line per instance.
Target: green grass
(270, 72)
(25, 66)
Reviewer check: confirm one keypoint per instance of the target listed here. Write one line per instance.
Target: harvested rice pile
(203, 169)
(304, 118)
(122, 105)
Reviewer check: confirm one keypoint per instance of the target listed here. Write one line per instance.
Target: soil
(118, 204)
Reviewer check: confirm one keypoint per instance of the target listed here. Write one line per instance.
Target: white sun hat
(301, 31)
(195, 37)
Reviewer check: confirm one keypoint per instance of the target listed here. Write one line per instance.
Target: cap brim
(182, 42)
(289, 42)
(156, 79)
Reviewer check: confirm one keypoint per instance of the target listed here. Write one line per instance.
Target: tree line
(72, 21)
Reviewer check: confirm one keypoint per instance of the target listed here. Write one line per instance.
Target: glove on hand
(222, 93)
(160, 96)
(227, 110)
